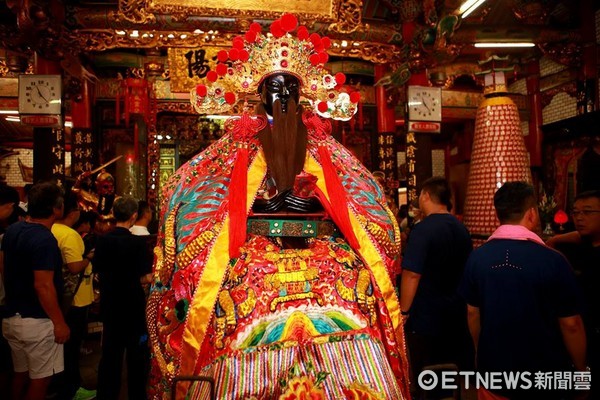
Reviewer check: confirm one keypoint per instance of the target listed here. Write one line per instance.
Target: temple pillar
(48, 143)
(82, 138)
(588, 81)
(418, 150)
(534, 139)
(386, 158)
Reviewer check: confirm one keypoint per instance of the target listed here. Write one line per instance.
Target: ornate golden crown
(256, 56)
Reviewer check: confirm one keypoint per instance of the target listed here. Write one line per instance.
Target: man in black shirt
(123, 265)
(582, 248)
(438, 247)
(35, 327)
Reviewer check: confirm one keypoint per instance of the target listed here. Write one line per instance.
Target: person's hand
(61, 333)
(551, 242)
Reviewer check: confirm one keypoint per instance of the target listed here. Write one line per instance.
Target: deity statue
(273, 268)
(97, 197)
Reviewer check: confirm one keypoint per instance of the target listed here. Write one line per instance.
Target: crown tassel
(335, 189)
(244, 128)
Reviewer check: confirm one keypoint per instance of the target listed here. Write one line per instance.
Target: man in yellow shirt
(78, 295)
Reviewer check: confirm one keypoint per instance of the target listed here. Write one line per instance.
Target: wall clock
(424, 103)
(40, 94)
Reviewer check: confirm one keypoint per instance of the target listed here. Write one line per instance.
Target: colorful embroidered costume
(267, 321)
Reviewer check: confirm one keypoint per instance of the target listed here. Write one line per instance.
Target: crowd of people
(49, 255)
(514, 304)
(273, 269)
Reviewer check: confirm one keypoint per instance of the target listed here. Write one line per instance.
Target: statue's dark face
(280, 87)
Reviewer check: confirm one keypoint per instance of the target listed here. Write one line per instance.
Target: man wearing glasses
(582, 248)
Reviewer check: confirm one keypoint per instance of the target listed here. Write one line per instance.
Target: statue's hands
(274, 204)
(302, 204)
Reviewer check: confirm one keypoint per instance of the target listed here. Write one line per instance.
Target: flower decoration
(302, 387)
(546, 207)
(256, 56)
(359, 391)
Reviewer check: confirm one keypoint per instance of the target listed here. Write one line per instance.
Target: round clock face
(40, 93)
(424, 105)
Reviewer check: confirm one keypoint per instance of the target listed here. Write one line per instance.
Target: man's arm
(78, 266)
(44, 287)
(474, 321)
(573, 334)
(408, 289)
(566, 238)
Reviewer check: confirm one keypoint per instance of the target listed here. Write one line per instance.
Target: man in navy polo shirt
(523, 300)
(432, 267)
(35, 327)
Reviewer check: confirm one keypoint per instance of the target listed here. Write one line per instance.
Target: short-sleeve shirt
(437, 249)
(120, 259)
(29, 247)
(72, 248)
(521, 288)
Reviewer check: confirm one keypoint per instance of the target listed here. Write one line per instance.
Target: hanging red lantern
(137, 95)
(138, 99)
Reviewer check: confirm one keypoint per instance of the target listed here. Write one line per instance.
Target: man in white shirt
(140, 228)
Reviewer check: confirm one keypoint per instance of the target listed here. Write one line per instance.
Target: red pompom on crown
(289, 22)
(222, 55)
(201, 90)
(303, 33)
(221, 69)
(229, 98)
(322, 106)
(212, 76)
(340, 78)
(250, 36)
(355, 97)
(276, 29)
(255, 27)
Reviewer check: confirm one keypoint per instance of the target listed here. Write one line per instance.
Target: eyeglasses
(584, 213)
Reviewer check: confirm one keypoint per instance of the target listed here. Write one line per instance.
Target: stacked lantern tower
(498, 156)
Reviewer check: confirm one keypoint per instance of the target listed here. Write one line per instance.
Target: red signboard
(41, 121)
(424, 127)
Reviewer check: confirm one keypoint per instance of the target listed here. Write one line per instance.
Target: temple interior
(478, 92)
(153, 53)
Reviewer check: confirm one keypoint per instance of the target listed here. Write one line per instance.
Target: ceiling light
(68, 124)
(9, 112)
(504, 44)
(13, 119)
(469, 6)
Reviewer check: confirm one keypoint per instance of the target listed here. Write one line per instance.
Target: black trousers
(76, 319)
(452, 347)
(119, 340)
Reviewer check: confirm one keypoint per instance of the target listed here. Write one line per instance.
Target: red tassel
(361, 120)
(243, 129)
(337, 194)
(118, 107)
(237, 202)
(321, 130)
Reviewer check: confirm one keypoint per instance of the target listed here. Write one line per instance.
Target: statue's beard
(284, 144)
